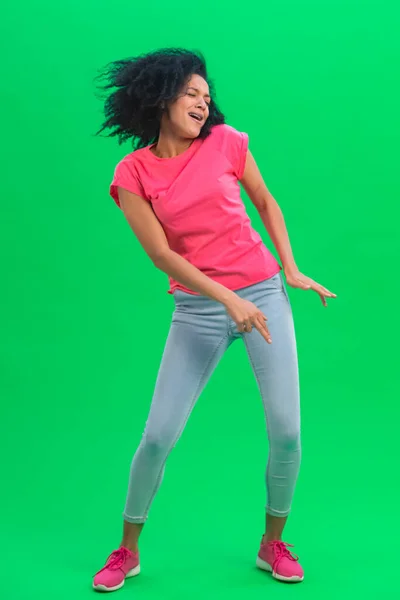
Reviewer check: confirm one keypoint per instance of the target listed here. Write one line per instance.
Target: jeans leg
(275, 367)
(194, 346)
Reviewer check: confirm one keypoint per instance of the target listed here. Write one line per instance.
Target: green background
(85, 315)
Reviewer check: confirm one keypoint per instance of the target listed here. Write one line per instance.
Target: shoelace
(281, 551)
(116, 559)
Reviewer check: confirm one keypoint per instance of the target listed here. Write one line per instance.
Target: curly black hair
(144, 85)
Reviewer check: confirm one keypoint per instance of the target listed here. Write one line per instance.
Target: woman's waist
(237, 274)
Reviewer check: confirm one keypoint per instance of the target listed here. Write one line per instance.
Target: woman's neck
(169, 146)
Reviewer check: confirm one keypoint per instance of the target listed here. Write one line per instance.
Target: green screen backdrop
(85, 314)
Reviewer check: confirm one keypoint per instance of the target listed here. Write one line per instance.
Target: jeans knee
(156, 443)
(289, 441)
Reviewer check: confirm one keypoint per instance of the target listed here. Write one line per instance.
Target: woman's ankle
(132, 546)
(130, 535)
(268, 537)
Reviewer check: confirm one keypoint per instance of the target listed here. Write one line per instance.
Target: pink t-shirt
(196, 198)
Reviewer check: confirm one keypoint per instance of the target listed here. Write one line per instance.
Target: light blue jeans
(200, 333)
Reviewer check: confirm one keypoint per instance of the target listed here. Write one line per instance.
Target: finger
(247, 326)
(260, 315)
(321, 290)
(263, 329)
(261, 326)
(259, 322)
(325, 291)
(323, 299)
(329, 294)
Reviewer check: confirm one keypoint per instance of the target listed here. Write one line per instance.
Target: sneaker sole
(103, 588)
(264, 566)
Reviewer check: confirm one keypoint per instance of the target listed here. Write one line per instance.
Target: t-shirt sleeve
(125, 176)
(235, 146)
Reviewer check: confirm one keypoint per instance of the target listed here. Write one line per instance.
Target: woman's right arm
(151, 236)
(148, 230)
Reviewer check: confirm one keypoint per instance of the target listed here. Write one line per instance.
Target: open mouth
(196, 117)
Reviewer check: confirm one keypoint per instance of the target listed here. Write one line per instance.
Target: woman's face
(188, 113)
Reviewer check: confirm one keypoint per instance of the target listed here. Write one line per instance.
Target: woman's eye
(194, 96)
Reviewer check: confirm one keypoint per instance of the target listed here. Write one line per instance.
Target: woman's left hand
(297, 280)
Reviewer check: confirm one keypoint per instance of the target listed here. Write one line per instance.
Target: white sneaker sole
(264, 566)
(131, 573)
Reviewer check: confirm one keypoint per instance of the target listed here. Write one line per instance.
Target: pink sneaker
(276, 558)
(120, 564)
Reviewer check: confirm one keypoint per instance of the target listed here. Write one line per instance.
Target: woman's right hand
(246, 316)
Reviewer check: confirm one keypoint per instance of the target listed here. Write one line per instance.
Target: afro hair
(136, 90)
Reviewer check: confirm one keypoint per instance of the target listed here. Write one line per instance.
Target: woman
(180, 194)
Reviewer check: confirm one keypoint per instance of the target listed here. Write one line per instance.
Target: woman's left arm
(274, 223)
